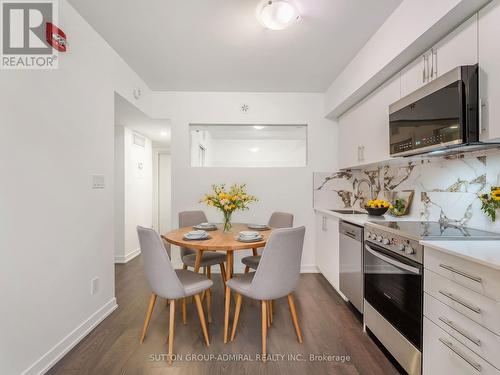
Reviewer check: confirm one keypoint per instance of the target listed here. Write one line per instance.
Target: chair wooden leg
(291, 303)
(199, 307)
(236, 315)
(264, 329)
(151, 306)
(268, 314)
(271, 306)
(209, 305)
(247, 269)
(171, 332)
(223, 274)
(184, 317)
(226, 313)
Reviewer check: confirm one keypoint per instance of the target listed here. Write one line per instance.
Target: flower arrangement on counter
(490, 202)
(228, 201)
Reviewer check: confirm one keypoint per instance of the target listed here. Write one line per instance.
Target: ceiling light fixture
(164, 134)
(254, 149)
(277, 14)
(258, 127)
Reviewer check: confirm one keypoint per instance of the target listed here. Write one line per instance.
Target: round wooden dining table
(218, 241)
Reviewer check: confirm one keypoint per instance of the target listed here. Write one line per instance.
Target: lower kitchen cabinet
(461, 316)
(327, 248)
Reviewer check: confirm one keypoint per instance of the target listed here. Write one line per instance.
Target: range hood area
(440, 118)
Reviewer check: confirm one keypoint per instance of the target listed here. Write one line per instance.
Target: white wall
(56, 233)
(137, 202)
(283, 189)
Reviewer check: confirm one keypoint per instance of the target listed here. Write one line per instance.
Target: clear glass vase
(227, 221)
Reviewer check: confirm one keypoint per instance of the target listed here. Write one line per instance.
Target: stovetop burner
(430, 230)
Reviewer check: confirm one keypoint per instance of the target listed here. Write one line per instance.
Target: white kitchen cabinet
(457, 48)
(327, 248)
(443, 354)
(489, 71)
(364, 129)
(461, 328)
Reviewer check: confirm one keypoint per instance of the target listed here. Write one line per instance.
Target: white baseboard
(308, 268)
(128, 257)
(49, 359)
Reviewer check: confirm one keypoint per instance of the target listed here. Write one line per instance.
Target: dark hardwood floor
(328, 325)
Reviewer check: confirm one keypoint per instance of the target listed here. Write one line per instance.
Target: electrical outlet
(94, 286)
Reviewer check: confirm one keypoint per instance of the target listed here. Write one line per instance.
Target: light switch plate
(98, 181)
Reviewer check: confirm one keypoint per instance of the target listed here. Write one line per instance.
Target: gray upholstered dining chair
(168, 283)
(277, 276)
(277, 220)
(209, 258)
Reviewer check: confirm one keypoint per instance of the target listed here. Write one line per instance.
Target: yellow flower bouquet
(490, 203)
(228, 201)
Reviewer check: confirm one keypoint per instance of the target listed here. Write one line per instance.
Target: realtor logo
(30, 39)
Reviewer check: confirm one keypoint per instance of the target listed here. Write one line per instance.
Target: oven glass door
(393, 286)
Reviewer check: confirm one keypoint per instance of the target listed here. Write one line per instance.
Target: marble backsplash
(444, 188)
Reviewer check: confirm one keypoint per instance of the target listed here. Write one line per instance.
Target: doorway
(142, 177)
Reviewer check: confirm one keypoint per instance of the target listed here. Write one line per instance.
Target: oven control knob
(385, 241)
(409, 250)
(379, 238)
(400, 247)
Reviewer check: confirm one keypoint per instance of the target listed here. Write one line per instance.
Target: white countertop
(361, 219)
(486, 253)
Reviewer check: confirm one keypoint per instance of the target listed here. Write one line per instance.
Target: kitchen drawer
(477, 277)
(442, 354)
(477, 307)
(480, 340)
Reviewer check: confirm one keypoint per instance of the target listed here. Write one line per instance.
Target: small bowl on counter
(377, 207)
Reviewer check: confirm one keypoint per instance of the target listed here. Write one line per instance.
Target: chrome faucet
(370, 185)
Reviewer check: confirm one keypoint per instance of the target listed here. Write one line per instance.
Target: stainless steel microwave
(439, 116)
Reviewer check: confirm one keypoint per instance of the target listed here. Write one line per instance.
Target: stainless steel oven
(393, 276)
(393, 286)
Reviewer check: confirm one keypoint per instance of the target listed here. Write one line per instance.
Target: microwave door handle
(394, 262)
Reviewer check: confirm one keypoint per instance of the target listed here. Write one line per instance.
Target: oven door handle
(394, 262)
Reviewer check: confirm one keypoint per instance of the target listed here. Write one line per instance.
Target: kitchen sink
(349, 212)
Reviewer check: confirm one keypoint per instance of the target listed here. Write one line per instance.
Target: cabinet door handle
(458, 352)
(432, 64)
(460, 301)
(461, 273)
(456, 328)
(482, 104)
(423, 69)
(435, 62)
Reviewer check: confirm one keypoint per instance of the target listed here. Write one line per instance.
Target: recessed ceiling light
(254, 149)
(258, 127)
(277, 14)
(164, 133)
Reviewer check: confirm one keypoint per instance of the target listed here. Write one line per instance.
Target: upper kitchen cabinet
(457, 48)
(489, 71)
(364, 129)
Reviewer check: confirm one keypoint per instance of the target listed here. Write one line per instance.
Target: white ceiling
(126, 114)
(218, 45)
